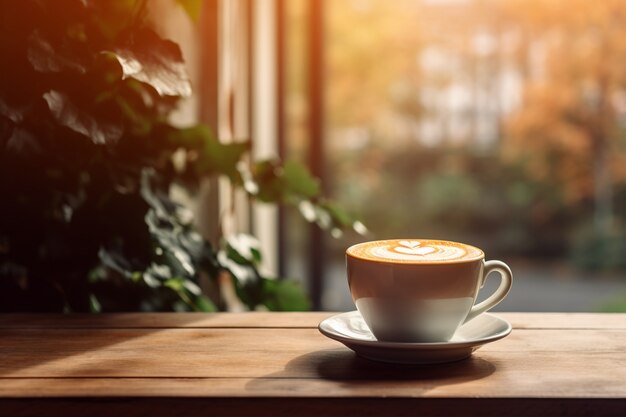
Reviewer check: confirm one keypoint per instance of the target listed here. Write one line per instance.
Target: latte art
(413, 247)
(415, 251)
(426, 252)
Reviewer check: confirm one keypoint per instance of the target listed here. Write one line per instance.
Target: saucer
(351, 330)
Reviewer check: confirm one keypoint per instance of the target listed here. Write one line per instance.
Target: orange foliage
(569, 117)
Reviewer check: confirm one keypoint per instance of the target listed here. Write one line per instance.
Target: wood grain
(552, 364)
(219, 353)
(276, 320)
(306, 407)
(162, 320)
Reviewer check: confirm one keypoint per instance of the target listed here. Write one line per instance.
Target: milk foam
(415, 251)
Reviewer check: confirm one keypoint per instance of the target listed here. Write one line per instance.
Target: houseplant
(86, 165)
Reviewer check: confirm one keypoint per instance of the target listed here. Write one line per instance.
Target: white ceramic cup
(409, 294)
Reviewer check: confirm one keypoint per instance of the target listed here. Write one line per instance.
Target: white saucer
(350, 329)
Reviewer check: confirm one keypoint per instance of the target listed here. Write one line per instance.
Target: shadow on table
(342, 365)
(347, 365)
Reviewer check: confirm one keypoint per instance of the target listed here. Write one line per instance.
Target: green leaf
(156, 274)
(94, 304)
(223, 158)
(22, 142)
(82, 121)
(114, 260)
(213, 157)
(299, 180)
(154, 61)
(341, 219)
(167, 236)
(44, 58)
(284, 295)
(269, 186)
(243, 249)
(193, 8)
(192, 287)
(204, 304)
(175, 284)
(339, 216)
(13, 112)
(178, 286)
(290, 183)
(192, 138)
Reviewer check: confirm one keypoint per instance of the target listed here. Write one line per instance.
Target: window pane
(496, 123)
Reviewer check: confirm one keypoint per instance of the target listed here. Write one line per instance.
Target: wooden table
(278, 364)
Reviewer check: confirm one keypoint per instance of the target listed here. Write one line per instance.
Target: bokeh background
(496, 123)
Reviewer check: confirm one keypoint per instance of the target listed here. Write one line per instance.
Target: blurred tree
(570, 128)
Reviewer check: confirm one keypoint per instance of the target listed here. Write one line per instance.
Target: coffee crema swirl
(415, 251)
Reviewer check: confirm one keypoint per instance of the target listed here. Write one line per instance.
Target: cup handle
(506, 279)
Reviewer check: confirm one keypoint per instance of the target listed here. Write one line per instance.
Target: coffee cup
(420, 290)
